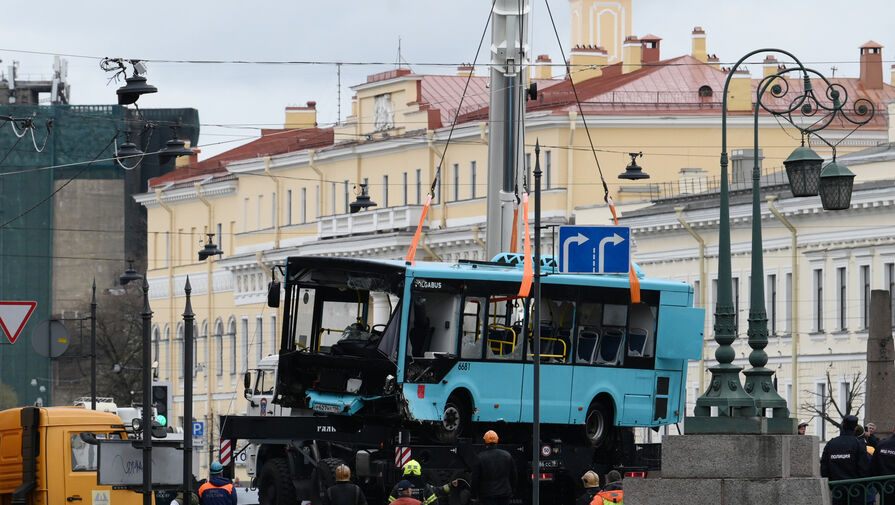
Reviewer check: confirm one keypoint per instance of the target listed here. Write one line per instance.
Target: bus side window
(434, 324)
(557, 318)
(472, 341)
(589, 328)
(611, 347)
(505, 323)
(641, 331)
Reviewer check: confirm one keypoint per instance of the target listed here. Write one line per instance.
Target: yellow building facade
(263, 206)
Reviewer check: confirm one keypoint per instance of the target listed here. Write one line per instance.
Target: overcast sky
(244, 98)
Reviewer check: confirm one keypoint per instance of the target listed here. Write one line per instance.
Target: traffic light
(161, 400)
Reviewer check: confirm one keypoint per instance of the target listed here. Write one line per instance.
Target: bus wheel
(453, 422)
(275, 483)
(597, 424)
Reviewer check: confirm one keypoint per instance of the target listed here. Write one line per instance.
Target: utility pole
(509, 55)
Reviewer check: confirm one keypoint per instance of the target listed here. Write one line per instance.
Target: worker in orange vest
(218, 490)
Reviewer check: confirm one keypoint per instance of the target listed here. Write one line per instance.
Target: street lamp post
(146, 315)
(741, 409)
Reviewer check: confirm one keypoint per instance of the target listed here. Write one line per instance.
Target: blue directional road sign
(594, 249)
(198, 429)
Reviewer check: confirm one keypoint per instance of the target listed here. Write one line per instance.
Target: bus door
(498, 343)
(557, 324)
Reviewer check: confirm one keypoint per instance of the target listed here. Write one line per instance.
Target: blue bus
(445, 345)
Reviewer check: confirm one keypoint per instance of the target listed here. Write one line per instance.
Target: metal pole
(536, 414)
(93, 348)
(188, 322)
(147, 397)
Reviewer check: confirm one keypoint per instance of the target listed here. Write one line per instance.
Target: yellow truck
(44, 460)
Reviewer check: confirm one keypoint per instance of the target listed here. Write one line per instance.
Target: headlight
(389, 386)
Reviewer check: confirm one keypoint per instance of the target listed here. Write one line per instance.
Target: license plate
(326, 407)
(549, 463)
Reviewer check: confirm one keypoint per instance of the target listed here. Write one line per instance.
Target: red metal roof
(272, 142)
(871, 45)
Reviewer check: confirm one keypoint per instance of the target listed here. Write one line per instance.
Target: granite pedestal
(734, 470)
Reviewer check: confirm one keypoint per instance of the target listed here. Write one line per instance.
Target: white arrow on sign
(615, 239)
(13, 316)
(580, 239)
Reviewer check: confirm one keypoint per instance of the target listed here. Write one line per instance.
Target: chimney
(587, 62)
(543, 70)
(649, 49)
(298, 118)
(740, 92)
(872, 65)
(465, 70)
(770, 65)
(631, 54)
(698, 51)
(714, 61)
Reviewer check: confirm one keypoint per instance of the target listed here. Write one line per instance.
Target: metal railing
(868, 490)
(696, 185)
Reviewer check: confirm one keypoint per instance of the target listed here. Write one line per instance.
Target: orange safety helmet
(490, 437)
(343, 473)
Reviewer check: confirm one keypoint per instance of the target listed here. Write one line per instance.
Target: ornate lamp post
(740, 407)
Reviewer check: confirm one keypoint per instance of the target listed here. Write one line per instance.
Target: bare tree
(119, 334)
(828, 408)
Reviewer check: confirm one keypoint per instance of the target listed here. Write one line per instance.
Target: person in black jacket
(493, 474)
(344, 492)
(883, 463)
(869, 437)
(845, 457)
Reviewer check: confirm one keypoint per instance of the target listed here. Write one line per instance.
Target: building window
(456, 181)
(219, 346)
(736, 305)
(788, 310)
(182, 352)
(288, 207)
(437, 196)
(231, 333)
(332, 198)
(820, 404)
(245, 215)
(771, 301)
(156, 337)
(865, 296)
(258, 215)
(818, 280)
(273, 333)
(347, 196)
(259, 338)
(245, 344)
(841, 300)
(527, 174)
(697, 300)
(385, 191)
(548, 172)
(317, 202)
(304, 205)
(273, 210)
(404, 180)
(705, 91)
(472, 179)
(419, 186)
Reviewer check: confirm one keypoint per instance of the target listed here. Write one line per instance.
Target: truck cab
(259, 389)
(44, 459)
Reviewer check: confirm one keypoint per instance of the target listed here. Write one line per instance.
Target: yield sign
(13, 316)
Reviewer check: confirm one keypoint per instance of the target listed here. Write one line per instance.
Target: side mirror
(273, 294)
(247, 384)
(88, 438)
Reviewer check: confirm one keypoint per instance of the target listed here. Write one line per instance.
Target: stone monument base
(734, 470)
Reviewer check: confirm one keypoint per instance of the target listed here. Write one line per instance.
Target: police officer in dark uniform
(845, 457)
(883, 463)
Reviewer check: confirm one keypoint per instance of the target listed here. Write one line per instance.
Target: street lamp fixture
(130, 274)
(128, 151)
(210, 249)
(803, 171)
(634, 171)
(135, 87)
(362, 201)
(836, 182)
